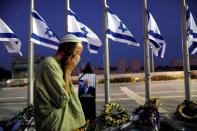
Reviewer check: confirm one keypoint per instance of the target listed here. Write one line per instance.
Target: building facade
(121, 65)
(20, 66)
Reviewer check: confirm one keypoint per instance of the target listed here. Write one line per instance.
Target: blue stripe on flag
(160, 52)
(192, 33)
(36, 16)
(117, 35)
(44, 40)
(155, 35)
(187, 14)
(92, 47)
(72, 14)
(148, 15)
(110, 11)
(193, 46)
(7, 35)
(155, 43)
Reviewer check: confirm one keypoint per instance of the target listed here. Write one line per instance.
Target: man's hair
(68, 47)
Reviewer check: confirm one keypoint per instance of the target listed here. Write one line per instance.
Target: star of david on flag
(76, 27)
(42, 34)
(11, 41)
(156, 41)
(117, 31)
(191, 31)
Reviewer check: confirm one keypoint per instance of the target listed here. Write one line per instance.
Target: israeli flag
(117, 31)
(156, 41)
(191, 31)
(42, 34)
(76, 27)
(11, 41)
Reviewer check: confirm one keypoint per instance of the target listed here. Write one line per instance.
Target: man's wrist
(67, 72)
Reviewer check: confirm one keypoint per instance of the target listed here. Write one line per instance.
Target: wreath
(112, 119)
(148, 115)
(187, 111)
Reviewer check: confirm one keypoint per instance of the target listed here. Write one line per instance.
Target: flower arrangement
(111, 119)
(148, 115)
(187, 111)
(22, 122)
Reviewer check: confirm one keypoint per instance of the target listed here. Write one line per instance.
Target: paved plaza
(129, 95)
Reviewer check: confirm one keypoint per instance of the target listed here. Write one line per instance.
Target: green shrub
(119, 80)
(100, 81)
(18, 85)
(162, 77)
(122, 80)
(194, 75)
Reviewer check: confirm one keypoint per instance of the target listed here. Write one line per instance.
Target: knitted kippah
(70, 38)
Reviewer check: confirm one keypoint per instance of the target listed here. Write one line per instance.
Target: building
(176, 63)
(20, 66)
(135, 65)
(121, 65)
(193, 61)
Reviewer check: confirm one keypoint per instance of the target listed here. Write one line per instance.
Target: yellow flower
(106, 117)
(121, 121)
(113, 124)
(120, 108)
(107, 108)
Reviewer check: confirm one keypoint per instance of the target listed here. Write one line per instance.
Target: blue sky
(167, 14)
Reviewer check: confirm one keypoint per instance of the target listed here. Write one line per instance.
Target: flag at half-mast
(191, 31)
(117, 31)
(87, 36)
(42, 34)
(156, 41)
(11, 41)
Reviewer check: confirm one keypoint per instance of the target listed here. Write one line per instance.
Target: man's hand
(70, 64)
(68, 68)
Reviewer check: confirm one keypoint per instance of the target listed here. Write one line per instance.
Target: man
(87, 90)
(57, 107)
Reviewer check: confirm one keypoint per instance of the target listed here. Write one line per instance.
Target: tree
(88, 69)
(4, 74)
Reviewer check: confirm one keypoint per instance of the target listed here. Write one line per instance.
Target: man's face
(77, 53)
(86, 83)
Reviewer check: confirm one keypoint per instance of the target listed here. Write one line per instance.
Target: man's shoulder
(49, 61)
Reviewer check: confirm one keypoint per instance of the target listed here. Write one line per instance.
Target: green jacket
(55, 109)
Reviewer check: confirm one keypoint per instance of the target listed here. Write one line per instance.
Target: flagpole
(30, 59)
(187, 72)
(146, 52)
(106, 55)
(67, 8)
(152, 60)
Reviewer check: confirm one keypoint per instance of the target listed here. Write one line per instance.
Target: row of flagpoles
(114, 29)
